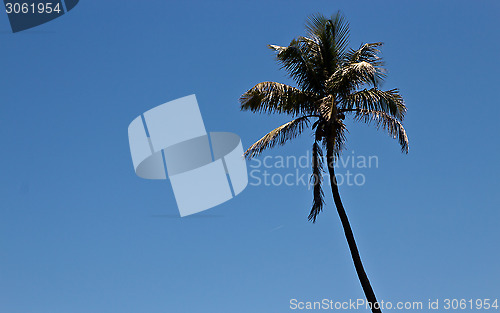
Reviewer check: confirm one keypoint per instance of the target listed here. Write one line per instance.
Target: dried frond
(278, 136)
(317, 180)
(387, 122)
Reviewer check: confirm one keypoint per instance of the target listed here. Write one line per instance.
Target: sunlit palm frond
(352, 76)
(389, 102)
(316, 181)
(278, 136)
(362, 66)
(387, 122)
(272, 97)
(367, 53)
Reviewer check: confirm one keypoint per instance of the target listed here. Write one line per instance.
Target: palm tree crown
(333, 82)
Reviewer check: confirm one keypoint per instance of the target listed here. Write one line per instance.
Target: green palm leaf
(296, 59)
(330, 38)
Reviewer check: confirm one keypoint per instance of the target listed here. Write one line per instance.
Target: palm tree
(333, 82)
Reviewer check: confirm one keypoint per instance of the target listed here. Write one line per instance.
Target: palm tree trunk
(363, 278)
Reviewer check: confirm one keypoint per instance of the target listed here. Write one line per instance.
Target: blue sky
(80, 232)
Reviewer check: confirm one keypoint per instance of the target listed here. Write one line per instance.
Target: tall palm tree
(333, 82)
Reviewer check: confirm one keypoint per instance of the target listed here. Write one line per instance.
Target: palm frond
(368, 52)
(330, 38)
(390, 102)
(389, 123)
(352, 76)
(272, 97)
(317, 180)
(278, 136)
(361, 66)
(296, 60)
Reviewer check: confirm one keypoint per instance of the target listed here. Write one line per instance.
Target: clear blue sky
(80, 232)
